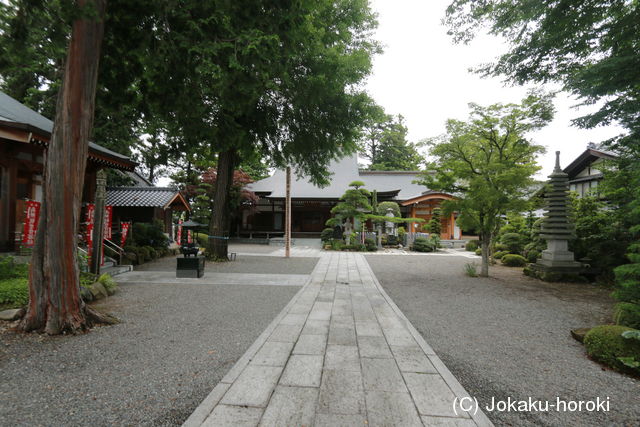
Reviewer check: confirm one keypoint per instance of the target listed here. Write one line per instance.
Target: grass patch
(14, 292)
(471, 269)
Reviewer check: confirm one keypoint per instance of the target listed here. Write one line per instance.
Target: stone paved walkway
(340, 353)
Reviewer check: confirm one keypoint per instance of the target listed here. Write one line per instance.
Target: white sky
(424, 76)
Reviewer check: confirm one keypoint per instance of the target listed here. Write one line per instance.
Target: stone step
(114, 270)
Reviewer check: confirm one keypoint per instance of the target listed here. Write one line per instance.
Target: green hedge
(606, 344)
(14, 292)
(500, 254)
(9, 269)
(512, 260)
(472, 245)
(627, 314)
(370, 244)
(422, 244)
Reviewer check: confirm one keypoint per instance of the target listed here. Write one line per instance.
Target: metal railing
(108, 244)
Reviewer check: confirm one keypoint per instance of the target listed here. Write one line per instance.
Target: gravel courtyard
(174, 344)
(508, 336)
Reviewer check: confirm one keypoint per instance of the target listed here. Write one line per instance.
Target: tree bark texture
(55, 305)
(287, 215)
(220, 219)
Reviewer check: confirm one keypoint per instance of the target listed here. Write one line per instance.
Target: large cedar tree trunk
(55, 305)
(220, 220)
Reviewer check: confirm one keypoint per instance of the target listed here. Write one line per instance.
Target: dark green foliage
(533, 255)
(471, 245)
(392, 240)
(627, 314)
(500, 247)
(326, 235)
(384, 206)
(599, 235)
(434, 225)
(422, 244)
(500, 254)
(9, 269)
(87, 279)
(354, 205)
(512, 260)
(628, 277)
(606, 344)
(514, 241)
(145, 234)
(370, 244)
(385, 144)
(14, 291)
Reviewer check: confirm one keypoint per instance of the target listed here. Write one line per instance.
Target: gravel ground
(508, 336)
(242, 264)
(174, 344)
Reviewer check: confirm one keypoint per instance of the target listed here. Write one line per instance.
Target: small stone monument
(389, 225)
(557, 262)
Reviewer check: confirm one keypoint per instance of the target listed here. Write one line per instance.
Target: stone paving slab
(253, 279)
(340, 353)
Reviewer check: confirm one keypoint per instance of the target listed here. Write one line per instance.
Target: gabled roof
(16, 115)
(150, 197)
(344, 171)
(589, 156)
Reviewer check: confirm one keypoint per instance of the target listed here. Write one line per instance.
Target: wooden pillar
(413, 215)
(98, 222)
(287, 222)
(452, 226)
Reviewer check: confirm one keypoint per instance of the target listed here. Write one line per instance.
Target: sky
(424, 76)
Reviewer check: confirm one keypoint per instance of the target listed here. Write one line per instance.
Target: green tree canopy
(488, 163)
(385, 145)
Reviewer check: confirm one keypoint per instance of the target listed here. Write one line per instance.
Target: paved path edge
(200, 414)
(479, 417)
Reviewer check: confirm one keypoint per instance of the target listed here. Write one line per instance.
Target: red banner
(179, 236)
(189, 240)
(89, 216)
(108, 221)
(125, 231)
(32, 216)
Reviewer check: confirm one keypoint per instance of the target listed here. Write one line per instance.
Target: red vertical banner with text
(89, 217)
(179, 236)
(124, 232)
(108, 221)
(32, 216)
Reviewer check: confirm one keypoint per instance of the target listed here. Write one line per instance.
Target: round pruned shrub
(627, 314)
(392, 240)
(500, 254)
(478, 251)
(500, 247)
(422, 244)
(514, 241)
(532, 256)
(606, 344)
(472, 245)
(326, 235)
(512, 260)
(370, 244)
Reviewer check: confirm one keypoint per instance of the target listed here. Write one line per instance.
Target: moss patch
(606, 344)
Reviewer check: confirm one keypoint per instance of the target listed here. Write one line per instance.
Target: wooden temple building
(24, 138)
(311, 205)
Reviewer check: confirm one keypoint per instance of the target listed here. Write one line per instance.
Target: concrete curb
(480, 418)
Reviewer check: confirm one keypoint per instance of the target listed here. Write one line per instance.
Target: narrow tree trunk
(287, 213)
(55, 305)
(485, 240)
(220, 220)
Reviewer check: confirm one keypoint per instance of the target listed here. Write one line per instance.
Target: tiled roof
(17, 114)
(152, 197)
(344, 171)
